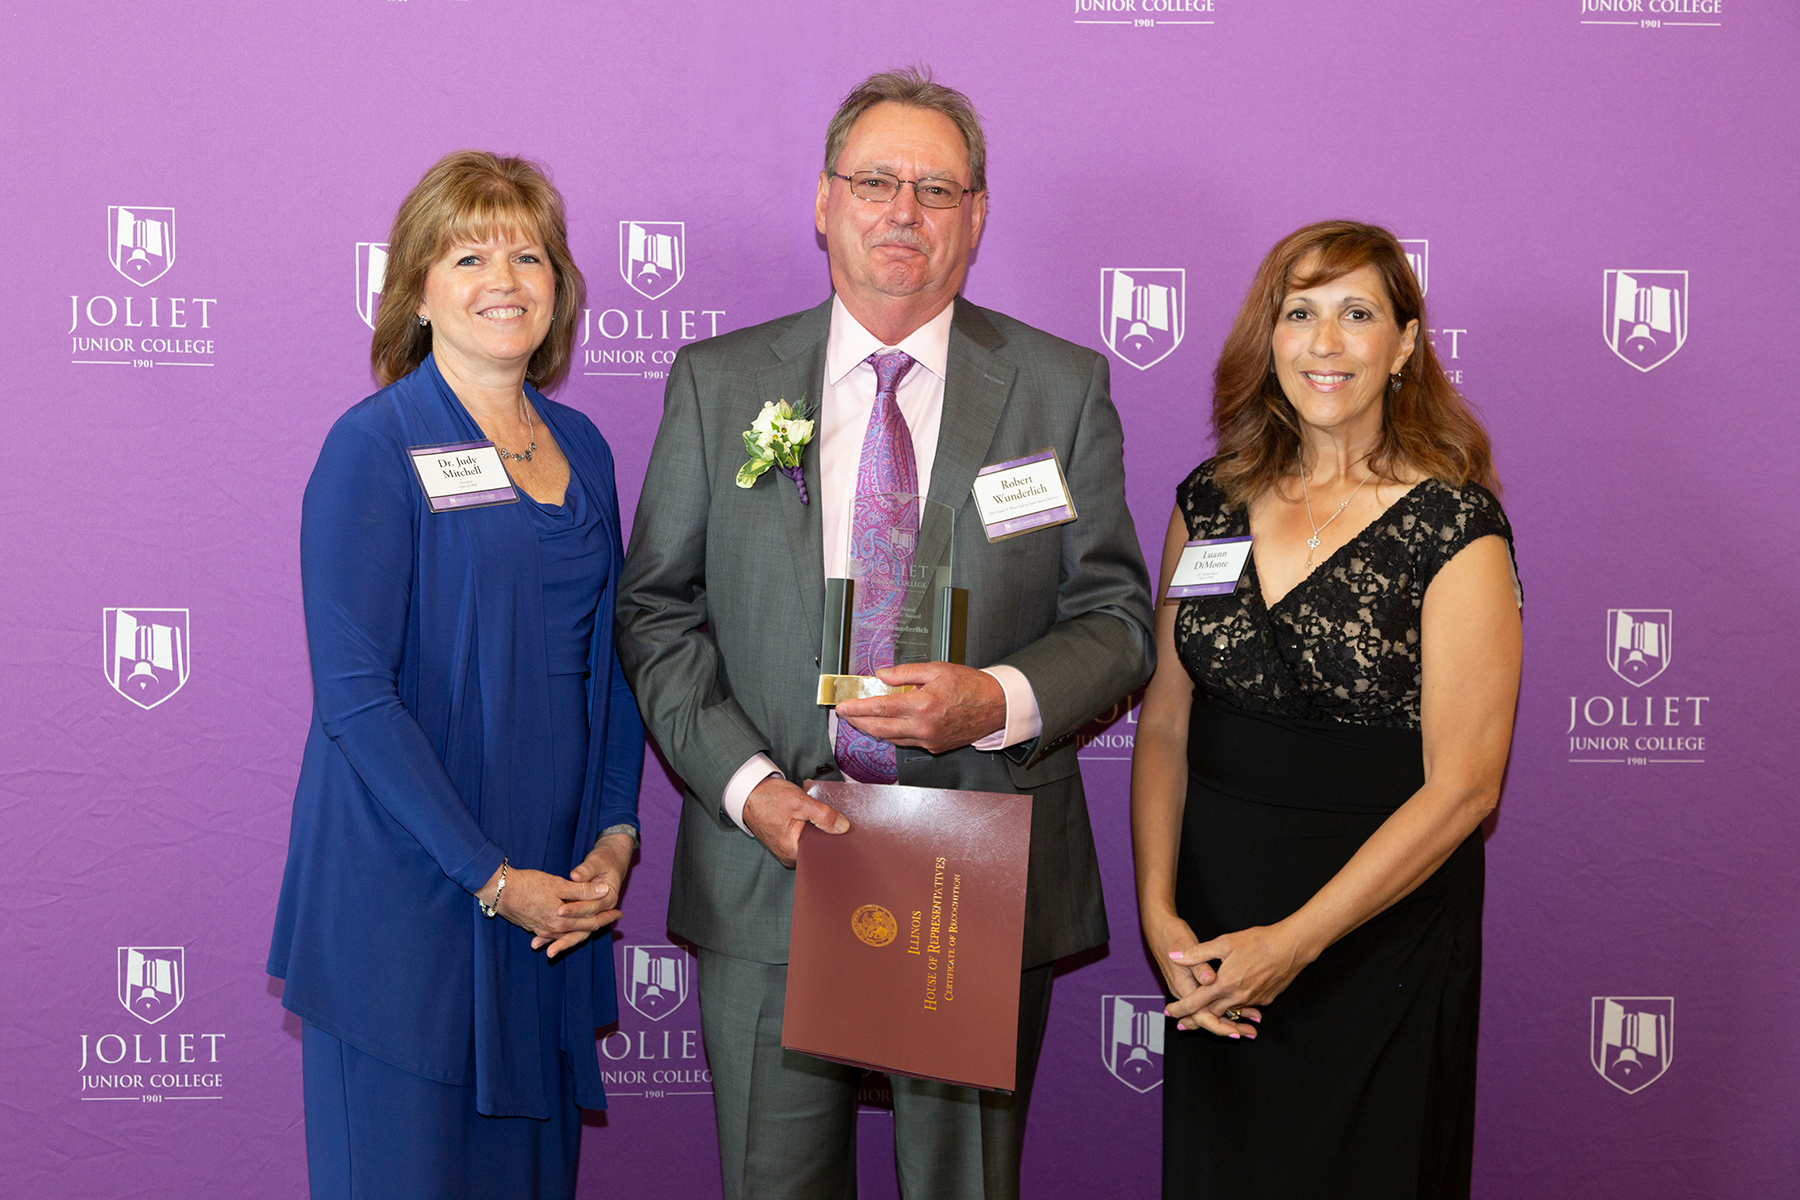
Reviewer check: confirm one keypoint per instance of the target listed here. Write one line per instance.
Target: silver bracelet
(623, 827)
(492, 910)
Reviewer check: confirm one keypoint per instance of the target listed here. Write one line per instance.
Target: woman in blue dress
(467, 806)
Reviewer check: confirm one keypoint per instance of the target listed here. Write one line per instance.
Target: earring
(423, 321)
(1395, 382)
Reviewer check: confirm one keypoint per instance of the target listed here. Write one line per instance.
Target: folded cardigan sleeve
(357, 549)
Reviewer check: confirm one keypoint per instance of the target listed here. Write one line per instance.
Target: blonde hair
(474, 196)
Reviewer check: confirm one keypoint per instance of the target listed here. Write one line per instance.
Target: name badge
(1209, 567)
(1023, 494)
(462, 475)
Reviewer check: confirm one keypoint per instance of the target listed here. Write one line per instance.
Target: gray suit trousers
(797, 1139)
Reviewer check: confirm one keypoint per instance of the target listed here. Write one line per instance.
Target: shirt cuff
(756, 769)
(1023, 720)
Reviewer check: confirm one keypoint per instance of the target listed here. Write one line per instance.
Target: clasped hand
(1255, 966)
(562, 913)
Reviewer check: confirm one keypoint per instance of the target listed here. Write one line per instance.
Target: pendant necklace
(1312, 543)
(526, 457)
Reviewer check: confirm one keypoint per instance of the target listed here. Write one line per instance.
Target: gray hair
(912, 86)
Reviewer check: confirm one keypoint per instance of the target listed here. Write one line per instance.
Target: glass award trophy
(896, 603)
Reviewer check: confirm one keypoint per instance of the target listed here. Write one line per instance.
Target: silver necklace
(1312, 543)
(526, 457)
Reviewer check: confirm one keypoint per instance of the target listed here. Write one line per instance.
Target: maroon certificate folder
(907, 933)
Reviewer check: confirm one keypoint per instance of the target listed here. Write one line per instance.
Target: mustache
(902, 237)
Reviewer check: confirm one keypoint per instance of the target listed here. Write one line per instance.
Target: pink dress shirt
(847, 399)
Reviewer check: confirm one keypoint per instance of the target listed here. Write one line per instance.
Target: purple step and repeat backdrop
(1597, 195)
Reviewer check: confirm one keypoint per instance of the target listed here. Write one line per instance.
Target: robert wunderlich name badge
(1209, 567)
(462, 475)
(1023, 494)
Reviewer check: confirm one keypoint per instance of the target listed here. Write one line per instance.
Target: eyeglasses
(878, 187)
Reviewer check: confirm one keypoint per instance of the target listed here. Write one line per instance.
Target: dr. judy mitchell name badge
(462, 475)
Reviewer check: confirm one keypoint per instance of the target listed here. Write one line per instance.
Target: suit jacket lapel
(801, 376)
(976, 387)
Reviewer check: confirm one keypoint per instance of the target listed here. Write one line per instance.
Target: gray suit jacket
(720, 609)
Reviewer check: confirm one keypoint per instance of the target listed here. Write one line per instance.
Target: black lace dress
(1304, 738)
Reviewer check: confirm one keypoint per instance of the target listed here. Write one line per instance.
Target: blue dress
(467, 705)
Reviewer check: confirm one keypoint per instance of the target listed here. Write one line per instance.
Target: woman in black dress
(1320, 745)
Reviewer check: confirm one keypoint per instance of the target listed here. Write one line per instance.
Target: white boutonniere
(776, 439)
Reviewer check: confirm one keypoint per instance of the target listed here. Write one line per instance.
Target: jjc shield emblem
(652, 256)
(141, 242)
(1131, 1039)
(152, 980)
(656, 979)
(1142, 312)
(371, 273)
(1418, 257)
(1646, 315)
(1632, 1040)
(1638, 643)
(146, 652)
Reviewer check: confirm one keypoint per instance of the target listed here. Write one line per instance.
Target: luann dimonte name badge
(1023, 494)
(462, 475)
(1209, 567)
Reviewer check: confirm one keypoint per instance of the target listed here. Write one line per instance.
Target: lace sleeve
(1202, 505)
(1452, 518)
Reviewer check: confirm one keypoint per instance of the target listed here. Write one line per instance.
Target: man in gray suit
(720, 611)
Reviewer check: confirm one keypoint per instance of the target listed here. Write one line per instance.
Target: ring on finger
(1234, 1014)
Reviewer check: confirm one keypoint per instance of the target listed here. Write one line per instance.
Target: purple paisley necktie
(883, 532)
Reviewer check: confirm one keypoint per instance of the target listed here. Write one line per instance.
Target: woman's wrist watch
(622, 827)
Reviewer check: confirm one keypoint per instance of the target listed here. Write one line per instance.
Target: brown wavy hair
(1427, 427)
(473, 195)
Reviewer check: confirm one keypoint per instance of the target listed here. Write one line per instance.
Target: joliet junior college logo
(652, 256)
(146, 652)
(1142, 312)
(371, 273)
(1418, 257)
(1632, 1039)
(152, 980)
(1131, 1039)
(656, 979)
(142, 242)
(1638, 645)
(1646, 315)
